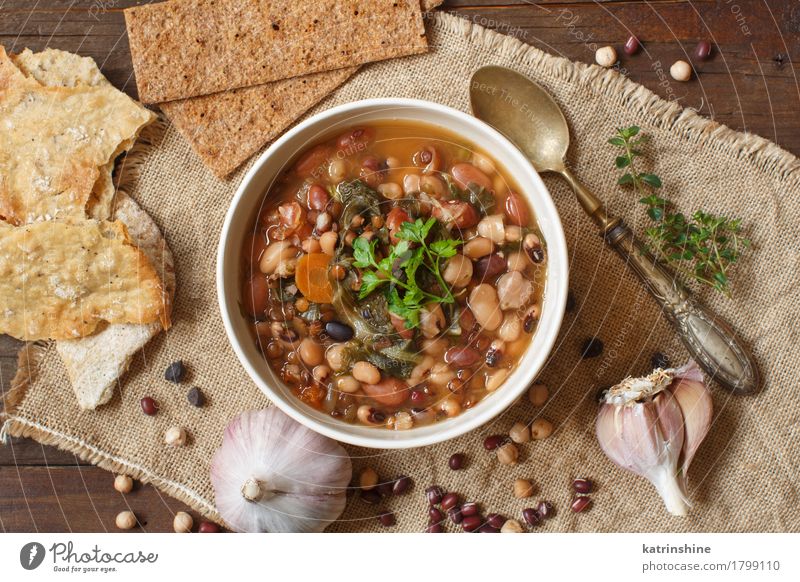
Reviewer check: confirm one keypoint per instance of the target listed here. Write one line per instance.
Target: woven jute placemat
(745, 477)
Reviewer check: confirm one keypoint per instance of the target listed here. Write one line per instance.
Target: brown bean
(365, 372)
(489, 267)
(465, 174)
(399, 325)
(313, 160)
(478, 247)
(389, 392)
(311, 352)
(355, 140)
(458, 271)
(516, 211)
(458, 213)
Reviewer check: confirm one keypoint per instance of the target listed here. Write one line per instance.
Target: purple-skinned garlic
(654, 425)
(272, 474)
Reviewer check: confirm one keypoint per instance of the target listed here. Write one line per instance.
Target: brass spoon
(527, 115)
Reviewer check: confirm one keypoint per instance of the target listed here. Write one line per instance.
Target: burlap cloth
(745, 477)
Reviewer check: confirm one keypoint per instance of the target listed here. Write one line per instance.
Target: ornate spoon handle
(711, 341)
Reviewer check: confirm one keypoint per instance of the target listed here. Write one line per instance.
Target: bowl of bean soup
(392, 273)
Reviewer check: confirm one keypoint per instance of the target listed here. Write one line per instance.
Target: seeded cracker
(56, 140)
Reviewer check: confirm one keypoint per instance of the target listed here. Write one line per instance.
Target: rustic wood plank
(78, 499)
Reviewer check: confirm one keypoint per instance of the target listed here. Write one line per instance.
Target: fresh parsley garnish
(703, 246)
(397, 273)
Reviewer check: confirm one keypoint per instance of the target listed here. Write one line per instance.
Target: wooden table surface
(750, 83)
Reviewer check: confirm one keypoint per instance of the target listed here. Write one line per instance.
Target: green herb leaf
(369, 282)
(363, 253)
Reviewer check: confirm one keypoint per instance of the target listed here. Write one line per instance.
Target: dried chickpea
(522, 488)
(175, 436)
(507, 454)
(125, 520)
(367, 479)
(538, 394)
(520, 433)
(123, 483)
(541, 429)
(182, 523)
(511, 526)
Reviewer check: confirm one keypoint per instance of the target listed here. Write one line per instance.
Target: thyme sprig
(702, 247)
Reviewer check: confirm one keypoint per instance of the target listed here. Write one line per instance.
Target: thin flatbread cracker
(188, 48)
(95, 363)
(54, 141)
(225, 129)
(61, 280)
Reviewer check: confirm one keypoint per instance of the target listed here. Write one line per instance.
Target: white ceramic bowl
(247, 202)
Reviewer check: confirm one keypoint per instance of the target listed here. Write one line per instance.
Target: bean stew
(394, 276)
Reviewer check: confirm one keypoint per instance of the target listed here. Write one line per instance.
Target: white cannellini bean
(511, 328)
(365, 372)
(518, 261)
(496, 379)
(348, 384)
(336, 357)
(441, 374)
(681, 71)
(513, 290)
(483, 163)
(484, 305)
(458, 271)
(337, 170)
(492, 227)
(478, 247)
(513, 233)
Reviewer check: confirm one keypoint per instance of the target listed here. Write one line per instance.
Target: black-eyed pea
(513, 290)
(441, 374)
(513, 233)
(321, 373)
(403, 421)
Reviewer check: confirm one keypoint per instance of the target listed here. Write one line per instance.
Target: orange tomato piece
(311, 277)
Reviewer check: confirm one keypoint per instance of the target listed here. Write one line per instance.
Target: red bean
(434, 528)
(149, 406)
(703, 50)
(387, 519)
(471, 522)
(435, 515)
(632, 46)
(208, 527)
(394, 219)
(401, 485)
(470, 509)
(434, 494)
(314, 161)
(449, 501)
(516, 210)
(456, 461)
(531, 516)
(255, 296)
(317, 198)
(580, 504)
(545, 509)
(455, 515)
(491, 442)
(489, 267)
(461, 357)
(355, 140)
(487, 528)
(389, 392)
(495, 520)
(582, 485)
(465, 174)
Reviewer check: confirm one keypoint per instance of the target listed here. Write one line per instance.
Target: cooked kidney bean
(389, 392)
(489, 267)
(460, 214)
(317, 198)
(465, 174)
(255, 296)
(314, 160)
(516, 210)
(394, 219)
(428, 158)
(461, 357)
(355, 140)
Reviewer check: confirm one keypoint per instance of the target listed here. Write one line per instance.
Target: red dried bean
(461, 357)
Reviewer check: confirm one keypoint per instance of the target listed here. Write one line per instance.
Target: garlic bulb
(272, 474)
(654, 425)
